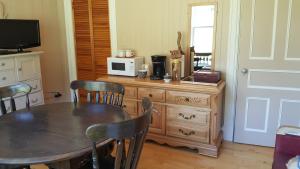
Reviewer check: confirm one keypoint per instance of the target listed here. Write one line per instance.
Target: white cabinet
(28, 67)
(23, 67)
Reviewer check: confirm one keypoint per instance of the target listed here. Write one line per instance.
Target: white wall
(54, 63)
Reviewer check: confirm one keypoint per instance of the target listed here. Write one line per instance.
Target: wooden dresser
(185, 115)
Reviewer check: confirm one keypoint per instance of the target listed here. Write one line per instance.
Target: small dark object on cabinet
(207, 76)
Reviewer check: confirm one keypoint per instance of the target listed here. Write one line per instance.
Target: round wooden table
(53, 132)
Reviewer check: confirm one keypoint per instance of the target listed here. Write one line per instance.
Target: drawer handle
(34, 100)
(186, 117)
(187, 99)
(150, 95)
(124, 106)
(185, 133)
(4, 78)
(2, 64)
(20, 69)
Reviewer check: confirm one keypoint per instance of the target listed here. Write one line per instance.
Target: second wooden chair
(99, 92)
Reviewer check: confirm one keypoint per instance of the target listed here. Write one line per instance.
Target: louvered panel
(102, 48)
(85, 74)
(101, 70)
(83, 40)
(92, 39)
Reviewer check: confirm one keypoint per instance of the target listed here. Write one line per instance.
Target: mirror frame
(189, 67)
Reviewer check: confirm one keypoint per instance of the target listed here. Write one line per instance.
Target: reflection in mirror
(202, 37)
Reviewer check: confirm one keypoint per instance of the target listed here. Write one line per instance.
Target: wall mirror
(202, 30)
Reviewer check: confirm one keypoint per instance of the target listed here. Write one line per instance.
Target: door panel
(268, 93)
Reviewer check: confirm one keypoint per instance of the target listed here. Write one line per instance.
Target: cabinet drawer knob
(186, 117)
(34, 100)
(4, 78)
(20, 69)
(3, 64)
(186, 133)
(150, 95)
(187, 99)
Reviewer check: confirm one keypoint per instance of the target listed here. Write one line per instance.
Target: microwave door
(117, 66)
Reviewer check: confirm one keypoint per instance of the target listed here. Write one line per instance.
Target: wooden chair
(100, 92)
(10, 92)
(133, 130)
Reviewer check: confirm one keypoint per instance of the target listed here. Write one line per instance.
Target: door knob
(244, 71)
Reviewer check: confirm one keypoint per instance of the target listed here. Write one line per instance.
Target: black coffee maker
(159, 67)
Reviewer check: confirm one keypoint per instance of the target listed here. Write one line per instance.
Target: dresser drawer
(158, 124)
(130, 106)
(7, 64)
(36, 99)
(156, 95)
(191, 116)
(7, 77)
(190, 99)
(130, 92)
(200, 134)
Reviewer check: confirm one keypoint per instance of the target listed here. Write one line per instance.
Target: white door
(268, 93)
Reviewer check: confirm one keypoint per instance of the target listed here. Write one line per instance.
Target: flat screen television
(19, 34)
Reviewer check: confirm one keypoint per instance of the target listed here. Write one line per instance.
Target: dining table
(52, 134)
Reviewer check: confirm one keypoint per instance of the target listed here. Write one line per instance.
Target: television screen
(19, 34)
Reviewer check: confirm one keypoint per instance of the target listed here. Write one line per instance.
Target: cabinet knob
(150, 95)
(20, 69)
(2, 64)
(34, 100)
(187, 99)
(4, 78)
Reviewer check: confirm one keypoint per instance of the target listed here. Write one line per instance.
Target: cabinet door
(28, 67)
(158, 119)
(130, 106)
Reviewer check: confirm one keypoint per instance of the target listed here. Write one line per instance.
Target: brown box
(207, 76)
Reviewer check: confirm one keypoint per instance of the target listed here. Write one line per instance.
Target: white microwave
(124, 66)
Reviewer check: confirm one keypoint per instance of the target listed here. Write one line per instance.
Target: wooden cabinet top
(174, 85)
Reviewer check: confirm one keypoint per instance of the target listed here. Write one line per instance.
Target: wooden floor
(232, 156)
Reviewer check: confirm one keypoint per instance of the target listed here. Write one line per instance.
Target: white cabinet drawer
(7, 77)
(36, 98)
(35, 84)
(7, 64)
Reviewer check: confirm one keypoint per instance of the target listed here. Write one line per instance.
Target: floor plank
(232, 156)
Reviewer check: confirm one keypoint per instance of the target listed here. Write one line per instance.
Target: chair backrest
(133, 130)
(100, 92)
(10, 92)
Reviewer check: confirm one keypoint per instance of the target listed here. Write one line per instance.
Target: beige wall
(150, 27)
(54, 60)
